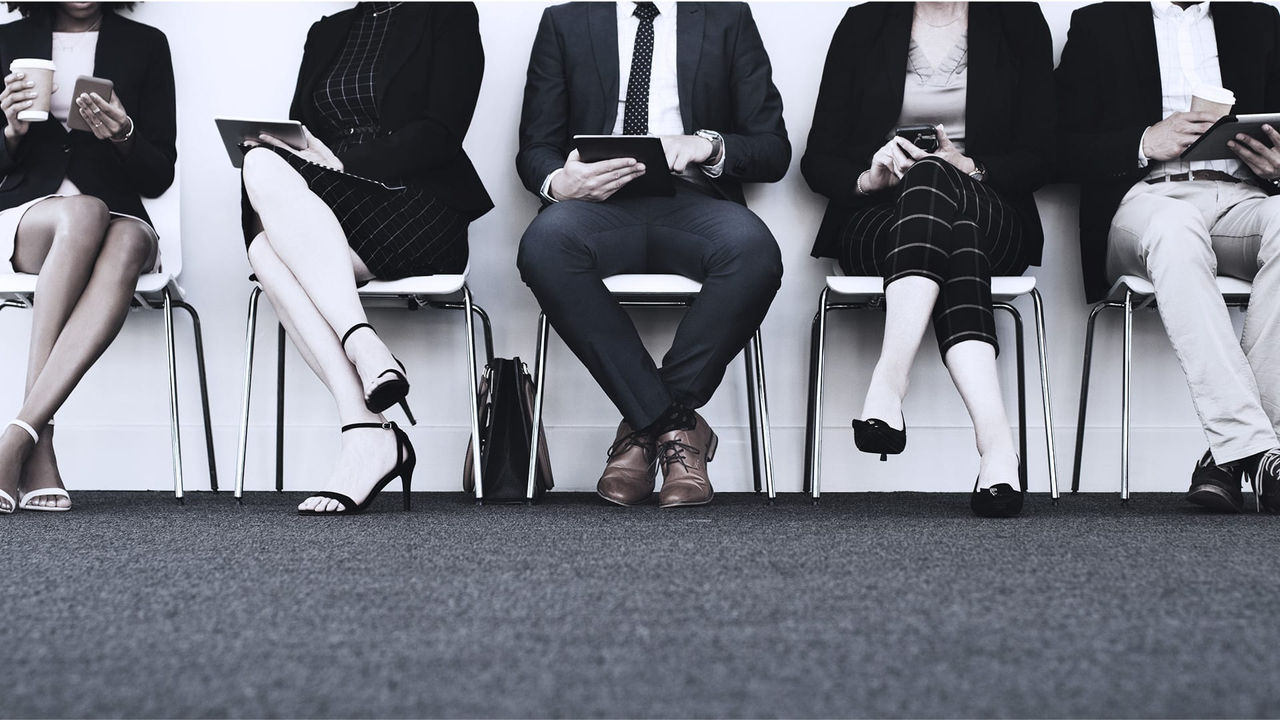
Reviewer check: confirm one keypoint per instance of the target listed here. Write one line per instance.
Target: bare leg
(972, 364)
(365, 453)
(127, 249)
(908, 305)
(308, 239)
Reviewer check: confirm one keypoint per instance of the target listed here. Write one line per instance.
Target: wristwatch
(717, 145)
(979, 171)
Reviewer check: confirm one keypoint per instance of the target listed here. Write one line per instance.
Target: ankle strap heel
(35, 437)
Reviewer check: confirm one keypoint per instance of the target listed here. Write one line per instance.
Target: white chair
(658, 290)
(155, 291)
(446, 292)
(867, 292)
(1129, 293)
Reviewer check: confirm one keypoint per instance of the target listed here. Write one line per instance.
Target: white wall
(240, 58)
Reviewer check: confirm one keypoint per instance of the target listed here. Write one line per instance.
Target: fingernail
(31, 83)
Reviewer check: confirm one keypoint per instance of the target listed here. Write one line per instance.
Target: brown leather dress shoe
(632, 469)
(684, 455)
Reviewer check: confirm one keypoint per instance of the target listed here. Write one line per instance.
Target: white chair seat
(1142, 286)
(423, 285)
(24, 284)
(652, 285)
(868, 286)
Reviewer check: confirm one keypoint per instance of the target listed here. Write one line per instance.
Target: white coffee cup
(39, 72)
(1212, 99)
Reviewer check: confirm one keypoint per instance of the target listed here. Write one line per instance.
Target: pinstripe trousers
(949, 228)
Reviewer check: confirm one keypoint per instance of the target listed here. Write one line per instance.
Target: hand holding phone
(87, 85)
(924, 137)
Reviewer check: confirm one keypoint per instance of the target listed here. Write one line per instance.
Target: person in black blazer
(382, 190)
(937, 224)
(70, 209)
(1125, 86)
(697, 75)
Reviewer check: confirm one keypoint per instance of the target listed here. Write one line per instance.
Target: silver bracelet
(126, 135)
(857, 184)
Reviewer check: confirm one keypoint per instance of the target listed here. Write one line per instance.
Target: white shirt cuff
(545, 190)
(1143, 160)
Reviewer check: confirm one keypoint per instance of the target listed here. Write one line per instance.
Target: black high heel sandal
(1001, 500)
(405, 462)
(389, 392)
(875, 436)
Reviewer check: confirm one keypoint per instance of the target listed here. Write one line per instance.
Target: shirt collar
(1166, 9)
(627, 7)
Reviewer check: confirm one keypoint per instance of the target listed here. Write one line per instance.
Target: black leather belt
(1213, 175)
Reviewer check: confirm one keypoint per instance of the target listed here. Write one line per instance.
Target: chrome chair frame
(1130, 293)
(413, 302)
(753, 361)
(817, 367)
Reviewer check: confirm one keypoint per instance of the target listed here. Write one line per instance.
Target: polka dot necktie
(635, 118)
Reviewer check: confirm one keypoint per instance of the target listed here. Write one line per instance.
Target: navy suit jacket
(724, 79)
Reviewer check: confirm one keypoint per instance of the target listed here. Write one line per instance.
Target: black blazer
(135, 57)
(1109, 92)
(427, 82)
(724, 79)
(1009, 114)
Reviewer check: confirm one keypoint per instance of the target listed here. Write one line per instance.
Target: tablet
(235, 131)
(647, 149)
(1212, 145)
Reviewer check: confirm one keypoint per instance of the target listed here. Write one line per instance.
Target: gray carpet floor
(866, 605)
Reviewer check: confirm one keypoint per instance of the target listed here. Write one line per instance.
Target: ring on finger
(97, 110)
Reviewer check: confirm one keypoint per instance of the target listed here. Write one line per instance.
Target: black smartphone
(924, 137)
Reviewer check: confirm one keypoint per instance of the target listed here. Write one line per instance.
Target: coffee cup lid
(32, 63)
(1212, 93)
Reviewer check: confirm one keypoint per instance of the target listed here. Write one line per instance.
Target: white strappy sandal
(25, 499)
(7, 503)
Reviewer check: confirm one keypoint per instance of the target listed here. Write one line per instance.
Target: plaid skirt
(397, 232)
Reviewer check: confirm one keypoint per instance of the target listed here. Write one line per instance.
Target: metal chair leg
(175, 434)
(1042, 347)
(762, 405)
(819, 366)
(753, 408)
(1086, 368)
(1021, 362)
(204, 392)
(540, 376)
(473, 388)
(1124, 400)
(251, 326)
(488, 329)
(808, 412)
(280, 367)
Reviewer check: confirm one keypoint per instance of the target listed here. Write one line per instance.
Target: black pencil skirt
(397, 232)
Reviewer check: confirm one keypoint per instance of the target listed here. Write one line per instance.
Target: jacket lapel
(1146, 58)
(894, 44)
(983, 49)
(602, 26)
(400, 44)
(1234, 63)
(689, 27)
(330, 36)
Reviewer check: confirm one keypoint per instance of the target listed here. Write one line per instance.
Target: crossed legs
(309, 274)
(937, 247)
(88, 266)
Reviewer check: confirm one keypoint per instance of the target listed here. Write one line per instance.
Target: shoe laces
(673, 451)
(636, 439)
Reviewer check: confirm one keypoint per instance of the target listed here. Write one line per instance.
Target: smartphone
(87, 84)
(924, 137)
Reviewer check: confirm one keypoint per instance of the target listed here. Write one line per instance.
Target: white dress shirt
(664, 92)
(664, 87)
(1187, 50)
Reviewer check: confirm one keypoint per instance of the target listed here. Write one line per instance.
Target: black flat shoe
(392, 391)
(876, 437)
(1001, 500)
(406, 460)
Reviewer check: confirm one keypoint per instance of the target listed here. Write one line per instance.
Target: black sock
(675, 417)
